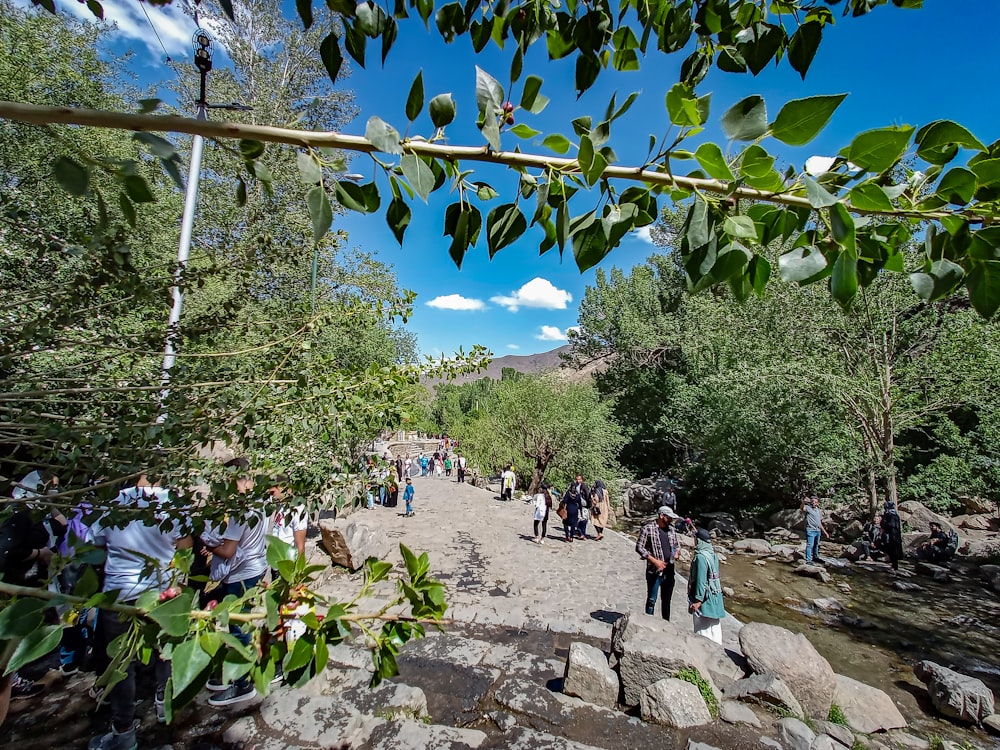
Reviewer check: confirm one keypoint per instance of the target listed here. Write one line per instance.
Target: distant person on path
(508, 481)
(399, 468)
(543, 504)
(447, 467)
(600, 508)
(578, 494)
(891, 540)
(705, 590)
(408, 497)
(659, 547)
(438, 466)
(814, 528)
(460, 463)
(423, 465)
(138, 558)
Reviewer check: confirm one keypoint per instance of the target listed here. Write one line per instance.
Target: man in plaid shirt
(659, 547)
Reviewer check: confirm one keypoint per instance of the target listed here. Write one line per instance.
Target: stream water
(880, 632)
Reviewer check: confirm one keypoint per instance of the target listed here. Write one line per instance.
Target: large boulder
(589, 677)
(937, 572)
(674, 703)
(649, 649)
(918, 517)
(753, 546)
(866, 709)
(978, 522)
(955, 695)
(791, 657)
(977, 505)
(352, 543)
(733, 712)
(765, 690)
(982, 549)
(724, 524)
(642, 498)
(794, 734)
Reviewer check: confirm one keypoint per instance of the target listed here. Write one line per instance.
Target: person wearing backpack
(938, 548)
(891, 536)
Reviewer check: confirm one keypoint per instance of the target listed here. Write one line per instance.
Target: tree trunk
(873, 502)
(541, 464)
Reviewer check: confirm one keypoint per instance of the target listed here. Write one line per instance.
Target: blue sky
(899, 67)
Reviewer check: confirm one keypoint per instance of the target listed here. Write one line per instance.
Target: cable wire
(166, 55)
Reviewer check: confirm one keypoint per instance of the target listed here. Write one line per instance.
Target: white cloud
(551, 333)
(174, 27)
(515, 347)
(456, 302)
(642, 233)
(536, 293)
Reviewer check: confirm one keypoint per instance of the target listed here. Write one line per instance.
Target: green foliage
(549, 429)
(836, 716)
(693, 676)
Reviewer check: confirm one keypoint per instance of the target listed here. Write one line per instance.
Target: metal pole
(184, 249)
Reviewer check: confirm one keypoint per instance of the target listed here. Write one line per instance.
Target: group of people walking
(578, 506)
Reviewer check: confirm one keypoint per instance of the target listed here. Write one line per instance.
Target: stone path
(482, 549)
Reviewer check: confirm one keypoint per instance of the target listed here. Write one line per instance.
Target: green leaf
(938, 142)
(383, 136)
(419, 175)
(756, 163)
(188, 661)
(523, 131)
(801, 120)
(442, 108)
(682, 106)
(842, 225)
(758, 273)
(878, 150)
(304, 9)
(801, 263)
(250, 149)
(488, 92)
(818, 195)
(485, 192)
(983, 283)
(137, 189)
(712, 160)
(34, 646)
(159, 147)
(556, 142)
(746, 120)
(329, 51)
(803, 45)
(128, 210)
(531, 98)
(504, 225)
(844, 279)
(309, 168)
(741, 227)
(398, 218)
(320, 212)
(869, 196)
(765, 43)
(21, 617)
(938, 282)
(72, 177)
(957, 186)
(174, 615)
(241, 193)
(361, 198)
(415, 99)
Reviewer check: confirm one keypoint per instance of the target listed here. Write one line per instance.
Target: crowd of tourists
(232, 557)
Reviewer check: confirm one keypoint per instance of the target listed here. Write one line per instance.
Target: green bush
(836, 716)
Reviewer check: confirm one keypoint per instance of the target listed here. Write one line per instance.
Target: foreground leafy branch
(292, 626)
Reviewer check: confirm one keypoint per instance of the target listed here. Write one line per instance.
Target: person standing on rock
(705, 590)
(600, 508)
(814, 528)
(891, 540)
(659, 547)
(543, 503)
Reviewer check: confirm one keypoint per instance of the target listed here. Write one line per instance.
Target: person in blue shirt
(423, 465)
(408, 497)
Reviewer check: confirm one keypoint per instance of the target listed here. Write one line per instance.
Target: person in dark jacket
(891, 540)
(577, 497)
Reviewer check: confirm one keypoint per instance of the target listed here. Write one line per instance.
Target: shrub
(694, 677)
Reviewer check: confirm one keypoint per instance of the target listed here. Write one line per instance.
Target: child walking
(408, 497)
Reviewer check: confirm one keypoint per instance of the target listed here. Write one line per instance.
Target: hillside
(530, 364)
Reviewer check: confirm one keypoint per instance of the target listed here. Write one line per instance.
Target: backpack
(952, 546)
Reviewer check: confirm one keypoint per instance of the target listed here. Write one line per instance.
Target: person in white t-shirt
(127, 570)
(289, 524)
(239, 562)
